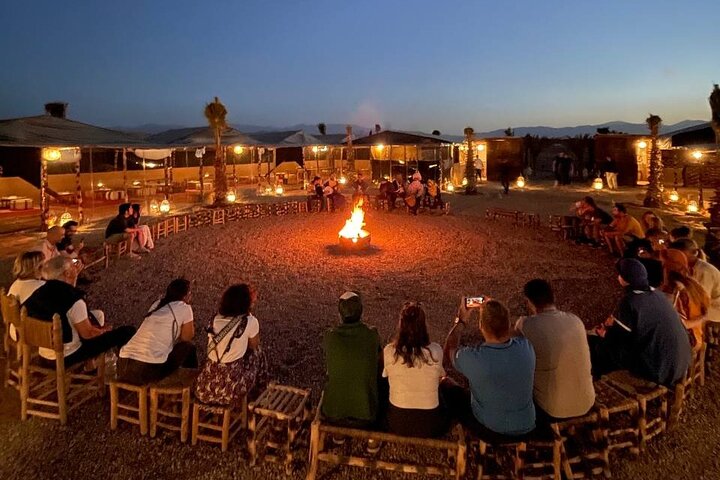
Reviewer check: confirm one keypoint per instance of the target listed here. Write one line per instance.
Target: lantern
(481, 147)
(674, 196)
(230, 197)
(279, 190)
(207, 175)
(64, 218)
(597, 183)
(136, 183)
(342, 180)
(464, 182)
(520, 182)
(154, 207)
(692, 207)
(380, 147)
(51, 154)
(164, 206)
(642, 144)
(450, 187)
(200, 152)
(100, 185)
(697, 154)
(315, 149)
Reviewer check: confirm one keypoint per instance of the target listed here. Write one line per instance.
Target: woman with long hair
(687, 296)
(27, 271)
(413, 367)
(236, 366)
(163, 343)
(144, 237)
(651, 221)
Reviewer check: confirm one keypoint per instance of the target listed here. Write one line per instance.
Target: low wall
(18, 187)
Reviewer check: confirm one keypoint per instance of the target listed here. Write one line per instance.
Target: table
(101, 193)
(13, 202)
(195, 185)
(66, 197)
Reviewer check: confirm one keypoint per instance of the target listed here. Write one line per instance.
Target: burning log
(353, 236)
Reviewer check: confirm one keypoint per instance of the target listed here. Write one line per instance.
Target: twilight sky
(407, 64)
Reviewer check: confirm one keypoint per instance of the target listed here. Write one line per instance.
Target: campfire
(352, 235)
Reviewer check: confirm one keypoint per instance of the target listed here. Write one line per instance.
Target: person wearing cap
(644, 335)
(353, 360)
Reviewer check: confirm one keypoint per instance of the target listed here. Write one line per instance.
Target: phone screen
(474, 302)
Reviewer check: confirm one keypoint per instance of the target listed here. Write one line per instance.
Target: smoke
(366, 113)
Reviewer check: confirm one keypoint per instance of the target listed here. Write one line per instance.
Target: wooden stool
(586, 452)
(114, 248)
(618, 417)
(208, 420)
(181, 223)
(652, 403)
(135, 413)
(280, 411)
(162, 229)
(499, 461)
(695, 376)
(218, 216)
(543, 457)
(174, 393)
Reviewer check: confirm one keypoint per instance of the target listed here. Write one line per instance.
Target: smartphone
(75, 261)
(474, 302)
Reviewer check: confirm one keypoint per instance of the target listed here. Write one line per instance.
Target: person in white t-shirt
(413, 367)
(236, 366)
(163, 343)
(48, 245)
(27, 271)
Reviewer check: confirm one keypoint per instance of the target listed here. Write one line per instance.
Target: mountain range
(360, 131)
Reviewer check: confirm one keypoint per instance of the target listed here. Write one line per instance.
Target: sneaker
(373, 446)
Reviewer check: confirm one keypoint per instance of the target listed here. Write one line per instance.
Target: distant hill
(618, 126)
(360, 131)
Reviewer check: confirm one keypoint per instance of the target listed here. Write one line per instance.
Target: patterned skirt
(227, 383)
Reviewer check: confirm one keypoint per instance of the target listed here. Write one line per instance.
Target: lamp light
(237, 149)
(100, 184)
(165, 206)
(231, 197)
(464, 181)
(674, 196)
(64, 218)
(279, 190)
(450, 187)
(342, 180)
(520, 182)
(154, 207)
(380, 147)
(481, 147)
(692, 207)
(597, 183)
(51, 154)
(642, 144)
(697, 154)
(136, 183)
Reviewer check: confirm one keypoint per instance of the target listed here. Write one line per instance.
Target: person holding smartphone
(500, 371)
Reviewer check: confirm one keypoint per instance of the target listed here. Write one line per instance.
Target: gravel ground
(299, 273)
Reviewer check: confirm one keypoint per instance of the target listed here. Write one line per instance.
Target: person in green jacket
(353, 359)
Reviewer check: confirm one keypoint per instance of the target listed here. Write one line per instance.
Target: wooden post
(406, 161)
(78, 192)
(202, 186)
(92, 182)
(44, 204)
(167, 177)
(124, 163)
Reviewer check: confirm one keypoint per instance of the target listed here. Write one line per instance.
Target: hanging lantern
(481, 147)
(674, 196)
(231, 197)
(464, 182)
(200, 152)
(51, 154)
(64, 218)
(207, 175)
(520, 182)
(342, 180)
(642, 144)
(237, 149)
(100, 185)
(154, 207)
(315, 149)
(597, 183)
(692, 207)
(165, 206)
(279, 190)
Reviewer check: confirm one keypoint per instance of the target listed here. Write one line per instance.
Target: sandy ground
(298, 271)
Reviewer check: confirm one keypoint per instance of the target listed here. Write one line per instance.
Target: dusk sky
(411, 64)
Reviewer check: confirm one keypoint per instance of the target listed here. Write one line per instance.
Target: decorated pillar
(124, 164)
(78, 192)
(44, 204)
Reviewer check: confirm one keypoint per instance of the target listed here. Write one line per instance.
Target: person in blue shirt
(500, 372)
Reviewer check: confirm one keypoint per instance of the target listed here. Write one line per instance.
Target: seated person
(332, 183)
(414, 193)
(704, 272)
(48, 246)
(144, 238)
(386, 192)
(398, 190)
(352, 358)
(644, 335)
(500, 372)
(69, 245)
(563, 386)
(413, 367)
(235, 366)
(85, 334)
(649, 220)
(433, 198)
(623, 227)
(27, 271)
(686, 233)
(360, 186)
(687, 296)
(593, 219)
(118, 229)
(315, 192)
(659, 239)
(163, 342)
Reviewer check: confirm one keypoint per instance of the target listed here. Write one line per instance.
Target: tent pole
(92, 182)
(317, 161)
(167, 178)
(406, 161)
(78, 193)
(125, 188)
(202, 186)
(44, 205)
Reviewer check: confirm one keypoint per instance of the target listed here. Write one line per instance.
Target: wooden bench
(181, 223)
(618, 417)
(502, 213)
(565, 225)
(501, 461)
(454, 448)
(275, 421)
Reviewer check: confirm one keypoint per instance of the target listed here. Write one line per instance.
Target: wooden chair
(129, 403)
(53, 393)
(181, 223)
(10, 309)
(275, 420)
(618, 417)
(117, 249)
(651, 399)
(217, 424)
(170, 402)
(453, 448)
(502, 213)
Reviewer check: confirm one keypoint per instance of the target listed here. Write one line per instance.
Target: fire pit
(353, 236)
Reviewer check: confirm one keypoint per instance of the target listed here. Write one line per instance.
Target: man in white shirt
(48, 246)
(705, 273)
(563, 386)
(83, 339)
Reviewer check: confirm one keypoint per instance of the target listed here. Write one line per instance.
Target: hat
(675, 261)
(633, 272)
(417, 176)
(350, 307)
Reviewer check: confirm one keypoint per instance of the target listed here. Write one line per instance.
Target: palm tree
(470, 188)
(715, 123)
(509, 132)
(350, 151)
(653, 196)
(436, 132)
(322, 128)
(215, 113)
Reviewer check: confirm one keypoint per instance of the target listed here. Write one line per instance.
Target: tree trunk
(220, 179)
(471, 187)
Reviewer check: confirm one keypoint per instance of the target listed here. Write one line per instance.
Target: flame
(353, 227)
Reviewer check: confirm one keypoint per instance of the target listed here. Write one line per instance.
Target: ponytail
(176, 291)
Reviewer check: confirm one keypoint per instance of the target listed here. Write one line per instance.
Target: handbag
(222, 383)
